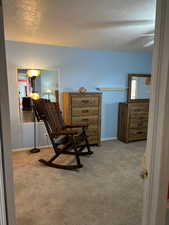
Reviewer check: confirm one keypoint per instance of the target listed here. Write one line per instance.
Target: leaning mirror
(35, 84)
(139, 86)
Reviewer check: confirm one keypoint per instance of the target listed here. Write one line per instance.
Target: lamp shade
(33, 73)
(48, 91)
(34, 95)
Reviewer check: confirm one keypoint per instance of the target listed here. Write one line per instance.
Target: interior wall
(49, 80)
(78, 67)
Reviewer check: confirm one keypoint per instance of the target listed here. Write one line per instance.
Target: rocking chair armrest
(77, 125)
(66, 132)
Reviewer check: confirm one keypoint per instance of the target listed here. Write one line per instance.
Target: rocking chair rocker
(64, 138)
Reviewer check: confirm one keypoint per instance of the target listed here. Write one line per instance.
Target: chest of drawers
(84, 108)
(133, 121)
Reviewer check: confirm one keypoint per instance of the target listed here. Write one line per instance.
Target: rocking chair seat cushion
(67, 138)
(60, 139)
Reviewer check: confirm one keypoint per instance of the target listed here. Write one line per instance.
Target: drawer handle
(85, 111)
(85, 101)
(85, 120)
(144, 174)
(140, 124)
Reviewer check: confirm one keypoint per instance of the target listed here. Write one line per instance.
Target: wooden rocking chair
(64, 138)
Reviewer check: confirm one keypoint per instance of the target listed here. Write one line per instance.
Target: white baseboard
(108, 139)
(50, 146)
(29, 148)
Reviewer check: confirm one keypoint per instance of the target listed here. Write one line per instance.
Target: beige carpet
(106, 191)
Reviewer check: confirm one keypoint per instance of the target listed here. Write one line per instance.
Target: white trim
(156, 186)
(168, 204)
(50, 146)
(111, 88)
(2, 199)
(7, 204)
(29, 148)
(108, 139)
(36, 67)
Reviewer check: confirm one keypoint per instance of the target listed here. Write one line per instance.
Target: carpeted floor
(106, 191)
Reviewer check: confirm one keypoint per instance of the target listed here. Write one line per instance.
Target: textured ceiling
(98, 24)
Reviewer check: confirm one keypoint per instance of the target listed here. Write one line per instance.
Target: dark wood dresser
(133, 121)
(84, 108)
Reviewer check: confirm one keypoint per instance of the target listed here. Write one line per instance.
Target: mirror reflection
(35, 84)
(140, 87)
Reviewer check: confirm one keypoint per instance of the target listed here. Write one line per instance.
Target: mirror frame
(129, 88)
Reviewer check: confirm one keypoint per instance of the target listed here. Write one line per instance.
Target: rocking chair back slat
(59, 114)
(52, 118)
(39, 108)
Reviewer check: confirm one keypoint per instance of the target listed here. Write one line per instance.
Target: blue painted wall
(49, 80)
(83, 67)
(143, 90)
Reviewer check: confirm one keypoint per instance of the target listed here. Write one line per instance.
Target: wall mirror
(35, 83)
(139, 86)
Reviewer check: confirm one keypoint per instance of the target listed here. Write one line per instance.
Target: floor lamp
(34, 96)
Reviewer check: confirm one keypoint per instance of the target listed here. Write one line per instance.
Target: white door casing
(7, 207)
(2, 199)
(155, 195)
(3, 220)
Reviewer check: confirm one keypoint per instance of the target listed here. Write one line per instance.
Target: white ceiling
(98, 24)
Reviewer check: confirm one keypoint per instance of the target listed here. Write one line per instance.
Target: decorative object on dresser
(84, 108)
(133, 121)
(82, 89)
(133, 115)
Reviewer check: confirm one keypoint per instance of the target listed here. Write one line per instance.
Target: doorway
(165, 186)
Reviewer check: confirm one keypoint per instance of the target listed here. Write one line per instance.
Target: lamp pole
(35, 149)
(34, 96)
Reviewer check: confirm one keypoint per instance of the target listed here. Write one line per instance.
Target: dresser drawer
(90, 131)
(138, 108)
(93, 139)
(85, 101)
(85, 111)
(137, 134)
(139, 115)
(85, 119)
(138, 123)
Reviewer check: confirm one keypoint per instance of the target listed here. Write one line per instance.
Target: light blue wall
(49, 80)
(143, 90)
(83, 67)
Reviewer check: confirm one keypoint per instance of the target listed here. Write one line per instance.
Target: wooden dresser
(133, 121)
(84, 108)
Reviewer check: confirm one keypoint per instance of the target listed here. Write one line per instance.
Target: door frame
(156, 185)
(7, 206)
(157, 151)
(2, 192)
